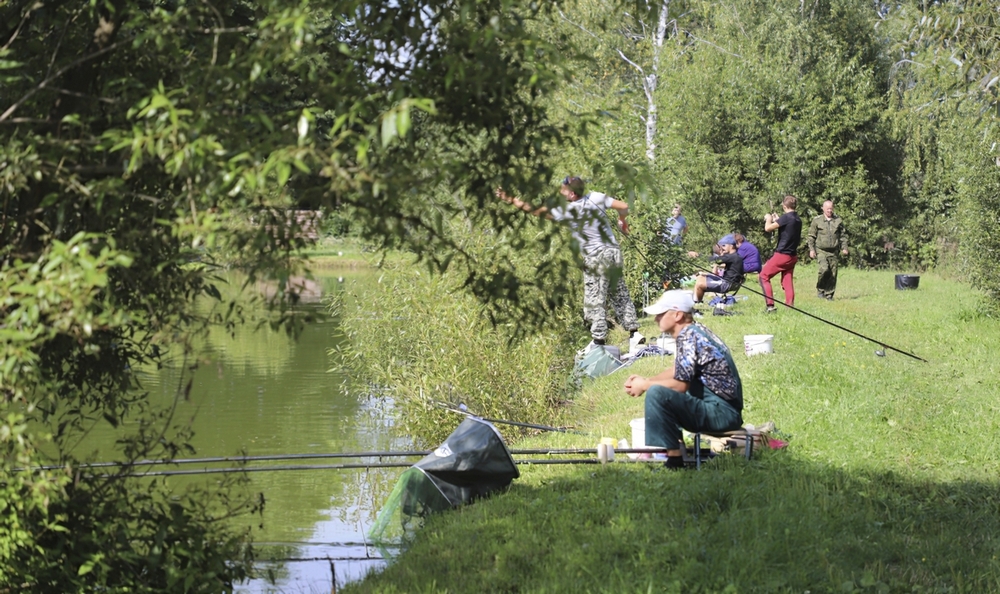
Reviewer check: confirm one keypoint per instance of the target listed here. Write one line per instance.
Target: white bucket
(638, 432)
(756, 344)
(667, 343)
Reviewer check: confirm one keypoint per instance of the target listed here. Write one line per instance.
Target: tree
(782, 100)
(945, 85)
(142, 144)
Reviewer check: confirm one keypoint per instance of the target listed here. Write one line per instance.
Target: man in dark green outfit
(826, 237)
(701, 391)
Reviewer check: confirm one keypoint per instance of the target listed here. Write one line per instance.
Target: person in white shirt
(586, 215)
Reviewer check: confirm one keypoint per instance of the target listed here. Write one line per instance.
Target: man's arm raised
(522, 205)
(771, 222)
(622, 208)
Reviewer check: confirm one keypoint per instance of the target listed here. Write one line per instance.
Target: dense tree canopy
(142, 144)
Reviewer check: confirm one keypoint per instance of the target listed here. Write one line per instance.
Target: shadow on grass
(778, 524)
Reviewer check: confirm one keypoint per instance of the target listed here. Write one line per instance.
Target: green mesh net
(473, 462)
(411, 501)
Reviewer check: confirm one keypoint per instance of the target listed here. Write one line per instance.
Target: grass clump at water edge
(427, 343)
(889, 484)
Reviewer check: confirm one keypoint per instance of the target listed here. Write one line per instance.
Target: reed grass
(889, 483)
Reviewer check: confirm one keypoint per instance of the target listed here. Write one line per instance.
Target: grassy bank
(347, 253)
(890, 483)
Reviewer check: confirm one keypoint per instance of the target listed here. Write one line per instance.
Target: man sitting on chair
(749, 252)
(700, 392)
(731, 260)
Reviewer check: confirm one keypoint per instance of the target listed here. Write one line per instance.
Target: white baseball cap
(672, 300)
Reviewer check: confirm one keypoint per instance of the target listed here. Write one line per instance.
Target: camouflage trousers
(603, 282)
(826, 282)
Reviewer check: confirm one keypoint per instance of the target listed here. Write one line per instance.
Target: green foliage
(944, 108)
(337, 223)
(887, 457)
(778, 101)
(24, 494)
(158, 541)
(424, 341)
(754, 100)
(650, 259)
(142, 144)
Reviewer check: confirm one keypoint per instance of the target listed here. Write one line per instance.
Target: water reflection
(257, 390)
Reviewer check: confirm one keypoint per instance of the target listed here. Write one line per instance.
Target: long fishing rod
(834, 324)
(705, 223)
(463, 410)
(385, 454)
(267, 458)
(882, 344)
(530, 462)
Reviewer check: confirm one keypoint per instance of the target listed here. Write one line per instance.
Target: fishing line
(880, 343)
(705, 223)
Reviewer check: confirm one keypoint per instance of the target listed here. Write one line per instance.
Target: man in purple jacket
(749, 252)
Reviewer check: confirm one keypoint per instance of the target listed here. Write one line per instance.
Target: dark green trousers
(826, 284)
(667, 411)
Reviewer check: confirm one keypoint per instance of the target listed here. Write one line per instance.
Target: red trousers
(784, 264)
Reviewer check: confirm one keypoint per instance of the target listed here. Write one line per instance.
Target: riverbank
(889, 482)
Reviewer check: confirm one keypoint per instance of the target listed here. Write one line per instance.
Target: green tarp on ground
(600, 360)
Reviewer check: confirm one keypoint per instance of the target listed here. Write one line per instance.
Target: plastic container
(633, 342)
(638, 432)
(907, 281)
(757, 344)
(667, 343)
(605, 453)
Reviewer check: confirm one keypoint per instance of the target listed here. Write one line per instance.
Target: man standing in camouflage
(826, 237)
(586, 214)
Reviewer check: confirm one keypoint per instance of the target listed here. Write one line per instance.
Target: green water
(264, 393)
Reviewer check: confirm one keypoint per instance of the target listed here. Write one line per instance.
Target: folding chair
(741, 432)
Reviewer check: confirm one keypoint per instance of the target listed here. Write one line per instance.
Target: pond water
(264, 393)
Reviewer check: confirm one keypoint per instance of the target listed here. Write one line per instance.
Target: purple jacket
(751, 256)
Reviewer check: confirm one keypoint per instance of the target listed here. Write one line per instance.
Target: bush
(423, 341)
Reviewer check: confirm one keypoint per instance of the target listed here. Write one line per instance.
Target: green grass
(346, 252)
(890, 482)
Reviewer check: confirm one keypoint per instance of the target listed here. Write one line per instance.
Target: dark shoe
(674, 463)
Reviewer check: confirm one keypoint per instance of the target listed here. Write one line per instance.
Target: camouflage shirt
(702, 358)
(827, 234)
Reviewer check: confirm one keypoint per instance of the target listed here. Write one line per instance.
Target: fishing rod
(386, 454)
(530, 462)
(834, 324)
(267, 458)
(705, 223)
(314, 559)
(462, 409)
(882, 344)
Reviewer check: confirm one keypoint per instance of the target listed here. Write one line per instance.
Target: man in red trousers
(789, 228)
